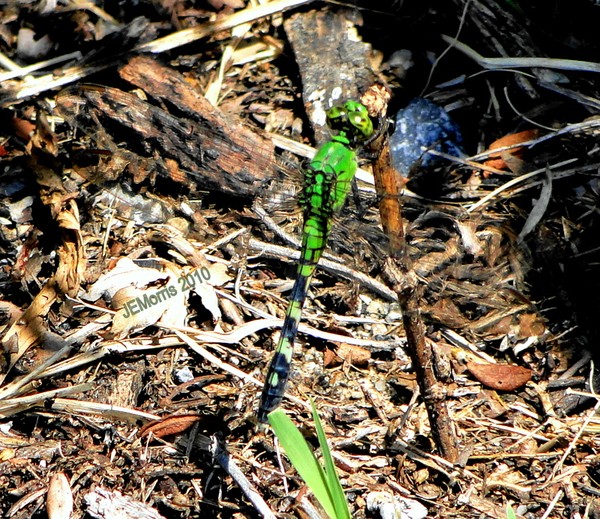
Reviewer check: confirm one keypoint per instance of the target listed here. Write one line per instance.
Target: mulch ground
(144, 272)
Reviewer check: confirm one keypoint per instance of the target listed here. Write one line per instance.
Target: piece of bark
(193, 144)
(334, 63)
(424, 359)
(127, 387)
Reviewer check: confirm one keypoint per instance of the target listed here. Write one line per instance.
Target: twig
(581, 430)
(223, 458)
(527, 62)
(11, 406)
(400, 273)
(13, 388)
(268, 321)
(186, 36)
(398, 270)
(552, 504)
(514, 182)
(328, 265)
(194, 346)
(23, 71)
(430, 460)
(424, 362)
(111, 411)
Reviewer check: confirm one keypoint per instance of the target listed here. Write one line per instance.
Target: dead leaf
(531, 325)
(31, 46)
(23, 128)
(204, 288)
(144, 307)
(497, 160)
(43, 138)
(540, 206)
(504, 377)
(349, 353)
(126, 273)
(175, 424)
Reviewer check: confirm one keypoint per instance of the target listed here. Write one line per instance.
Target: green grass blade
(303, 459)
(333, 481)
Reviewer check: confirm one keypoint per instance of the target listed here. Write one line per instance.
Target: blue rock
(423, 124)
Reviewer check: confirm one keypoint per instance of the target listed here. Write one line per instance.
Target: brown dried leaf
(531, 325)
(504, 377)
(330, 359)
(497, 160)
(43, 138)
(354, 355)
(174, 424)
(23, 128)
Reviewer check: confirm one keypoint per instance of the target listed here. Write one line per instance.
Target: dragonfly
(327, 183)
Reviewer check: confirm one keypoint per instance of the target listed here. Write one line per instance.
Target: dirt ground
(146, 259)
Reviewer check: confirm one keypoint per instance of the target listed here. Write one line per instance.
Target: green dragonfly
(327, 182)
(104, 113)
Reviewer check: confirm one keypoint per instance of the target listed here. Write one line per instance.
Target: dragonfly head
(351, 121)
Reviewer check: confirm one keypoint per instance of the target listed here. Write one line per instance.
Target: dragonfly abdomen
(279, 368)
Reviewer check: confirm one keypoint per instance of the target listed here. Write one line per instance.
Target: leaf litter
(76, 392)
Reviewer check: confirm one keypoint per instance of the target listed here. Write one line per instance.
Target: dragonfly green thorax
(327, 182)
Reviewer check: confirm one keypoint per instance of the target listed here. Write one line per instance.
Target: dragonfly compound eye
(336, 113)
(363, 124)
(352, 119)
